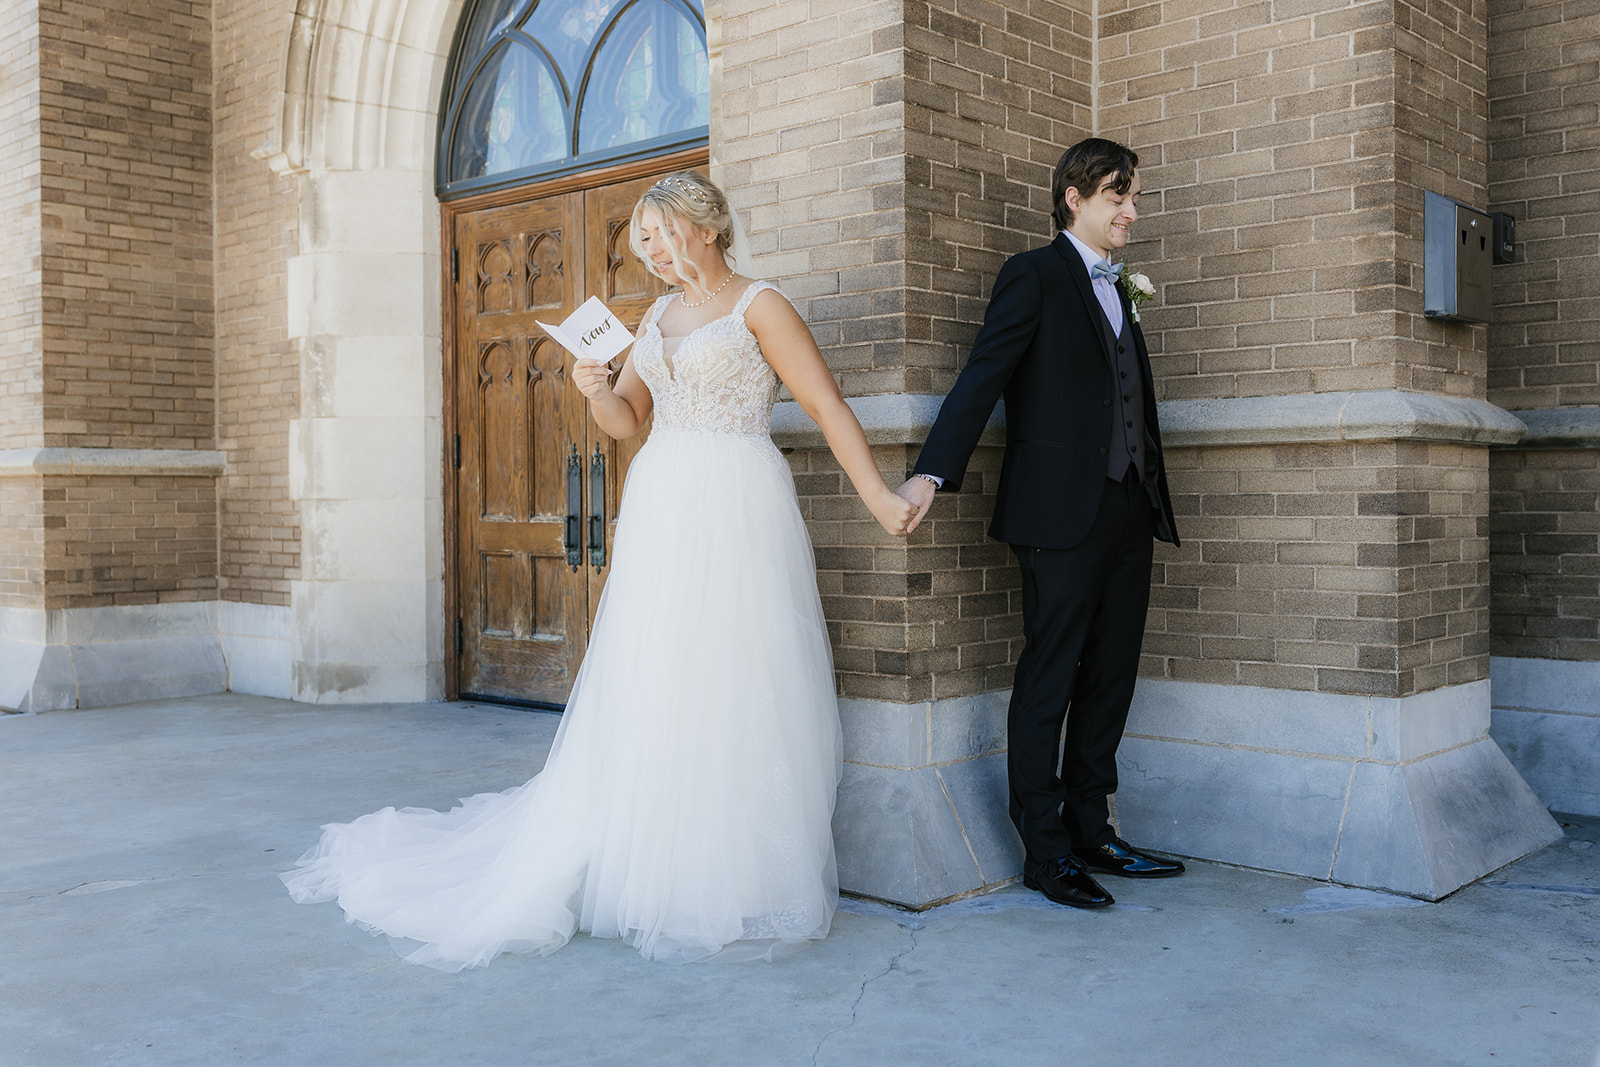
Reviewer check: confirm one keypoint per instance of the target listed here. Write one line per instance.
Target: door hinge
(458, 636)
(455, 265)
(455, 452)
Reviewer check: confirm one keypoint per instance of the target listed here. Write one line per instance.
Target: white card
(592, 332)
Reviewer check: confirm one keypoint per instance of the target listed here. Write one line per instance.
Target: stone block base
(1547, 720)
(1408, 795)
(255, 639)
(92, 657)
(1403, 794)
(922, 813)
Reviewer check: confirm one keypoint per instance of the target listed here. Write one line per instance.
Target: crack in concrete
(102, 887)
(1344, 815)
(861, 993)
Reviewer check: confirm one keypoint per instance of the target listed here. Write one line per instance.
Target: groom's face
(1102, 221)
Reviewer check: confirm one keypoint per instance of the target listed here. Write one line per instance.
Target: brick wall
(1544, 70)
(1441, 145)
(258, 367)
(1544, 107)
(929, 618)
(888, 159)
(21, 543)
(122, 287)
(1545, 591)
(993, 93)
(21, 386)
(812, 152)
(1353, 568)
(1284, 150)
(116, 343)
(125, 144)
(120, 541)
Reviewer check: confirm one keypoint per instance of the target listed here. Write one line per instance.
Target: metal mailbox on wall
(1458, 252)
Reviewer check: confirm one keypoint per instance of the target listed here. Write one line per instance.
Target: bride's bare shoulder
(766, 304)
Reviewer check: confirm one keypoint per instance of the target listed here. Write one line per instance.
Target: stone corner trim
(1301, 418)
(112, 462)
(1560, 428)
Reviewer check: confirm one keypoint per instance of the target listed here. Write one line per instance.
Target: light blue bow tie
(1106, 269)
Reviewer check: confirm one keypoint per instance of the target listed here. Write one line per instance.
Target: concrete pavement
(141, 923)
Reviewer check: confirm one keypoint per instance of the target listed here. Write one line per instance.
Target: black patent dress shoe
(1064, 881)
(1122, 859)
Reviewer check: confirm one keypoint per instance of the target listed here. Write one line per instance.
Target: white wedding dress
(686, 803)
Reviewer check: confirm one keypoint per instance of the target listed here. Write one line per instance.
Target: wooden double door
(537, 483)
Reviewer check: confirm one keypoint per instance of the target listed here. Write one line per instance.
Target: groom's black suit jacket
(1045, 345)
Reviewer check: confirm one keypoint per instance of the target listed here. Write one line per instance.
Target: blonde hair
(684, 197)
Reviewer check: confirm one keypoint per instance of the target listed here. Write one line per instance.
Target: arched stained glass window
(543, 87)
(649, 77)
(513, 108)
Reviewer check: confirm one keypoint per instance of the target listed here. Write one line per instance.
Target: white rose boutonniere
(1139, 288)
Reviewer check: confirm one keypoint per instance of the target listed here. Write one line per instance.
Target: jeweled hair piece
(683, 197)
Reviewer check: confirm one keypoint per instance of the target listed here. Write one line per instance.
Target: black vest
(1127, 446)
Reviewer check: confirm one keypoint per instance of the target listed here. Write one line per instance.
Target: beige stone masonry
(1286, 152)
(1351, 568)
(106, 373)
(125, 160)
(21, 295)
(1544, 168)
(1545, 541)
(364, 453)
(258, 365)
(993, 93)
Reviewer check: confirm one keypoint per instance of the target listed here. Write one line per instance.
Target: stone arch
(358, 116)
(361, 82)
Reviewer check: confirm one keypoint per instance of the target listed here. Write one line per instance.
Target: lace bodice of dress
(714, 378)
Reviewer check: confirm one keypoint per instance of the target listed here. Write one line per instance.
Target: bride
(686, 803)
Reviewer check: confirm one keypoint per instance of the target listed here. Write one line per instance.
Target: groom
(1082, 494)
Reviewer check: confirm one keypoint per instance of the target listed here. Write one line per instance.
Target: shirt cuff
(938, 482)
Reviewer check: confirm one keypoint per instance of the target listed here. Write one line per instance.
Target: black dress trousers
(1083, 616)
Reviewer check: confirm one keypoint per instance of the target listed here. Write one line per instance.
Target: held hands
(919, 493)
(591, 378)
(893, 512)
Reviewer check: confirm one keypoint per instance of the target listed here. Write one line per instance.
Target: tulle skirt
(687, 800)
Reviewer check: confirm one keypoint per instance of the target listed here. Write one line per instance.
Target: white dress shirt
(1104, 288)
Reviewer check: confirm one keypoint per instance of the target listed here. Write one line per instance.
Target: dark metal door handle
(572, 536)
(597, 508)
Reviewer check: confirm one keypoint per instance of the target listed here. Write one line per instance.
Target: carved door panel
(524, 605)
(617, 277)
(539, 485)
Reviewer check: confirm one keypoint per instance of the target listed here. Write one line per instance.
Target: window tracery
(545, 86)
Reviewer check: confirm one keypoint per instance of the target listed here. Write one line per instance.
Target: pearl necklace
(710, 298)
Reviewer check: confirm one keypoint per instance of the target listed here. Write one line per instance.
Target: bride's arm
(792, 352)
(620, 410)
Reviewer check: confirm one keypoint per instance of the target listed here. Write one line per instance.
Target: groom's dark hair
(1083, 167)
